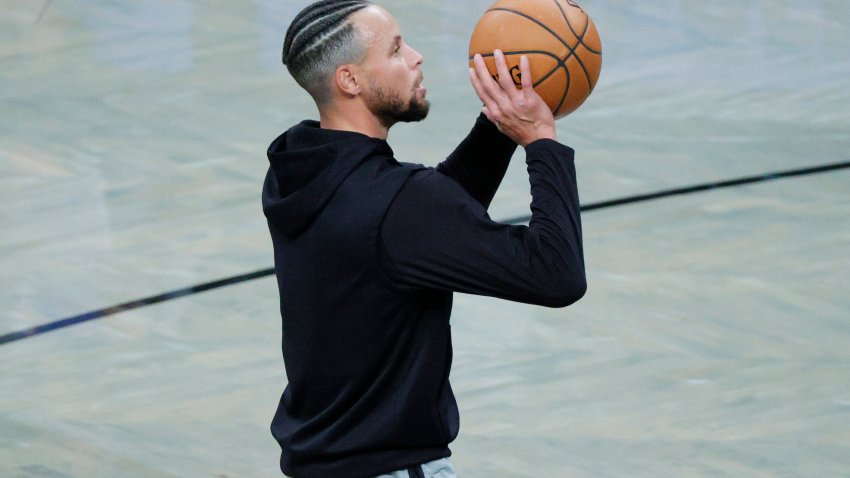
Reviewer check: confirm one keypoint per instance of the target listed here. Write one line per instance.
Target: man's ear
(348, 79)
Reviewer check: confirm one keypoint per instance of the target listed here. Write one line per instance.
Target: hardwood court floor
(713, 338)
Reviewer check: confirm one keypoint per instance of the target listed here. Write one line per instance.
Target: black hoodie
(367, 253)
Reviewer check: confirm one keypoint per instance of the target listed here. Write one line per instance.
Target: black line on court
(98, 314)
(41, 13)
(701, 187)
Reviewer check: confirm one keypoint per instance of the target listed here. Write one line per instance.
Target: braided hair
(320, 39)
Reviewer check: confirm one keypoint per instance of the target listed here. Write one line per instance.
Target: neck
(356, 118)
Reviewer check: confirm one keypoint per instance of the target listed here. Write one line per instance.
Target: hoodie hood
(306, 166)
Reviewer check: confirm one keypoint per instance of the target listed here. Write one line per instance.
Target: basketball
(559, 39)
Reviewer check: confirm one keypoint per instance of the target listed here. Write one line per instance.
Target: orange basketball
(559, 39)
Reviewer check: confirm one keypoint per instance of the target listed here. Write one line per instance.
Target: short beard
(392, 108)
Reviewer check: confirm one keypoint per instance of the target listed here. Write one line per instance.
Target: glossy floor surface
(713, 341)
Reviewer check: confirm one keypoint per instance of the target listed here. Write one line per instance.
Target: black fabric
(436, 239)
(415, 472)
(367, 254)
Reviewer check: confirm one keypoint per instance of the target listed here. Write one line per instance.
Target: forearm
(480, 161)
(555, 208)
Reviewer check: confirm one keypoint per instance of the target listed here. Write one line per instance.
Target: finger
(525, 74)
(490, 88)
(477, 86)
(490, 104)
(505, 80)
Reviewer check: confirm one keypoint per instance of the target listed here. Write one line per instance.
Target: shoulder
(429, 199)
(430, 183)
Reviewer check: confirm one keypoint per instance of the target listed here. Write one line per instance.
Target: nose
(417, 57)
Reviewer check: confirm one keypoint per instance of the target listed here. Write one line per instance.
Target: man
(368, 250)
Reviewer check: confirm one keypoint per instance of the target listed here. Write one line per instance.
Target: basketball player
(369, 250)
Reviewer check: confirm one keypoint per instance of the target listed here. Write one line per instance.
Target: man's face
(393, 89)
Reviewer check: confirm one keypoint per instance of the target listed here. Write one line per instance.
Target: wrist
(548, 148)
(542, 133)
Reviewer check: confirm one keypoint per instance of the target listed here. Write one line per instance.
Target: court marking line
(743, 181)
(196, 289)
(44, 9)
(135, 304)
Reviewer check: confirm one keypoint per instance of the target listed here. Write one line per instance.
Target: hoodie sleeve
(435, 236)
(480, 161)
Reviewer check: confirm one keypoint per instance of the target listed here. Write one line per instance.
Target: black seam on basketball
(583, 34)
(534, 20)
(570, 26)
(571, 49)
(580, 38)
(562, 62)
(591, 50)
(521, 52)
(566, 90)
(590, 84)
(541, 52)
(552, 72)
(581, 63)
(567, 20)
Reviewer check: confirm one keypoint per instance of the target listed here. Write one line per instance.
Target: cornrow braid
(318, 40)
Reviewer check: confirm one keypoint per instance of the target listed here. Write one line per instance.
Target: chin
(418, 110)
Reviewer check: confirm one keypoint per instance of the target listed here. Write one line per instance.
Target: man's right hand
(518, 113)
